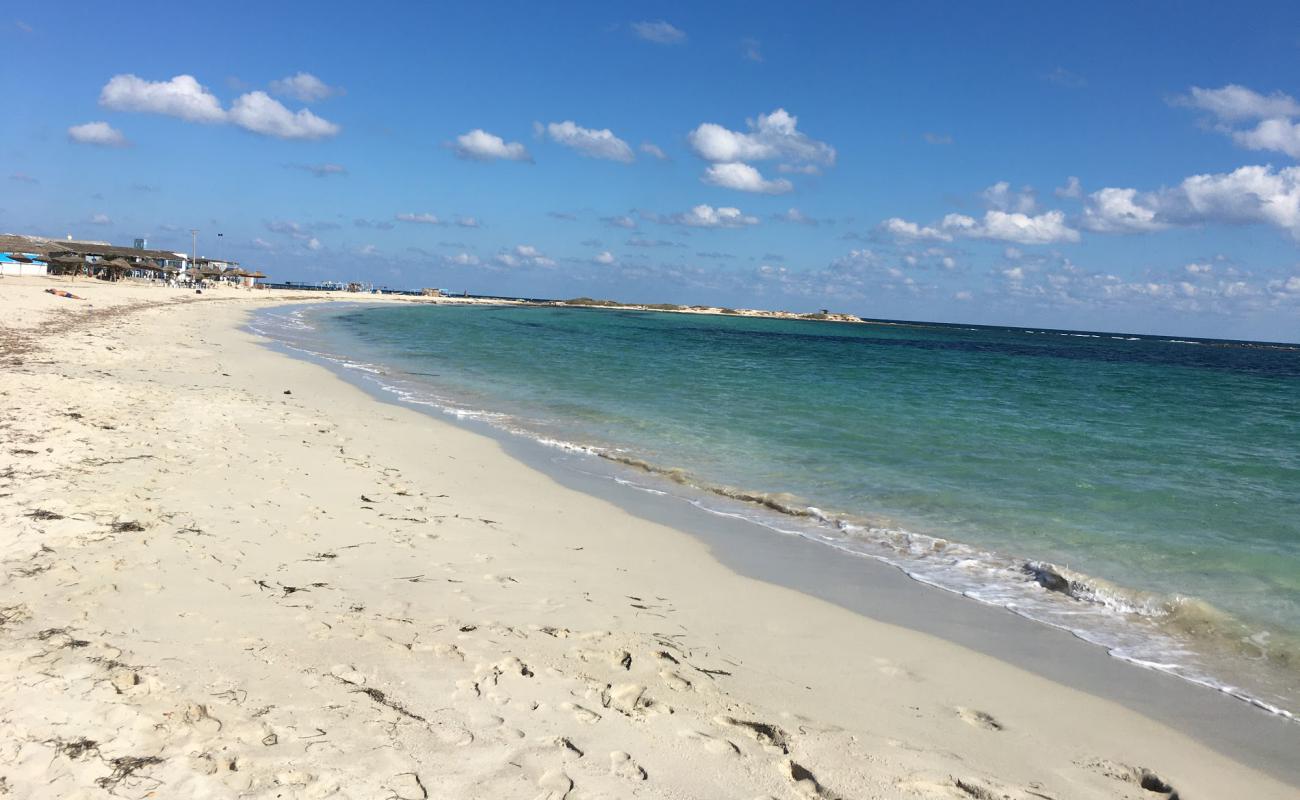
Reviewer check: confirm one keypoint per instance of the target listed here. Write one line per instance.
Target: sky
(1103, 166)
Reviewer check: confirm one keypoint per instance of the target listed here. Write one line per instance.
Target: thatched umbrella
(68, 263)
(116, 267)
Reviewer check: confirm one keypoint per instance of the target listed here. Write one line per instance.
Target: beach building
(35, 255)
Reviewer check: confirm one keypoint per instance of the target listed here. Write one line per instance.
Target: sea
(1141, 492)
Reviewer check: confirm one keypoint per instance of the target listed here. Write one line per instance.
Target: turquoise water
(1141, 492)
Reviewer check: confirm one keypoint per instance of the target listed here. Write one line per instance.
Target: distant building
(141, 244)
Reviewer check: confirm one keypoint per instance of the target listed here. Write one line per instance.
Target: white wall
(8, 268)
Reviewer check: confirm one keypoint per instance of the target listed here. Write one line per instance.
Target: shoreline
(247, 550)
(1071, 604)
(884, 592)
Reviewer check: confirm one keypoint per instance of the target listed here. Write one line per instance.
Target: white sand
(328, 596)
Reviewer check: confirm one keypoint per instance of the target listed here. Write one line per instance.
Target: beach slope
(228, 573)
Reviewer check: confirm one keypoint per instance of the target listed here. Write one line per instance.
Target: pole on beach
(194, 251)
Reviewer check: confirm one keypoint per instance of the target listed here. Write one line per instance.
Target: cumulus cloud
(654, 151)
(304, 87)
(1002, 197)
(314, 244)
(182, 96)
(1114, 210)
(744, 178)
(97, 133)
(589, 142)
(659, 32)
(523, 255)
(419, 219)
(186, 98)
(1003, 226)
(467, 222)
(770, 137)
(479, 145)
(1247, 195)
(260, 113)
(1232, 105)
(705, 216)
(1072, 190)
(1233, 102)
(1046, 228)
(605, 257)
(904, 229)
(1281, 135)
(463, 259)
(101, 219)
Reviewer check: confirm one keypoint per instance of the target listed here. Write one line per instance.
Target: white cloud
(589, 142)
(937, 138)
(963, 296)
(101, 219)
(1001, 197)
(479, 145)
(654, 151)
(705, 216)
(1233, 102)
(1113, 210)
(1003, 226)
(313, 243)
(659, 32)
(186, 98)
(1046, 228)
(744, 178)
(367, 250)
(903, 229)
(421, 219)
(1199, 269)
(463, 259)
(605, 257)
(1277, 134)
(260, 113)
(182, 96)
(1072, 190)
(97, 133)
(262, 244)
(304, 87)
(771, 136)
(467, 222)
(523, 255)
(1247, 195)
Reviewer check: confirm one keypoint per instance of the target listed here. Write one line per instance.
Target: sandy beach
(229, 573)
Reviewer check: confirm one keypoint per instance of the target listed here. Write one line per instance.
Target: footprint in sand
(555, 785)
(622, 765)
(584, 715)
(978, 719)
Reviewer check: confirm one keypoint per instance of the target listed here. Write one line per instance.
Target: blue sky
(1127, 167)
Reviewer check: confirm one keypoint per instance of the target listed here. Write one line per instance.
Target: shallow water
(1141, 492)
